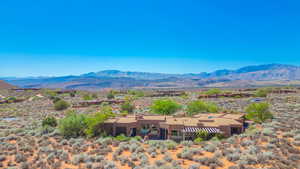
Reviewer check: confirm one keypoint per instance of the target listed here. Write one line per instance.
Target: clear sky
(62, 37)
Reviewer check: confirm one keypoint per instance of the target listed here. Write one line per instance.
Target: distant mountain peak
(128, 79)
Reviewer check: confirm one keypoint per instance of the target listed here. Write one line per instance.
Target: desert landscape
(150, 84)
(30, 138)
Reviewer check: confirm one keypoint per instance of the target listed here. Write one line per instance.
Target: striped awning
(196, 129)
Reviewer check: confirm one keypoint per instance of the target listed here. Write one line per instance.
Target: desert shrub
(137, 138)
(287, 134)
(159, 163)
(61, 105)
(248, 159)
(168, 158)
(194, 166)
(198, 140)
(51, 93)
(127, 107)
(2, 158)
(46, 129)
(170, 144)
(105, 141)
(72, 94)
(134, 157)
(88, 97)
(133, 147)
(110, 95)
(144, 161)
(199, 106)
(233, 167)
(186, 143)
(122, 137)
(164, 107)
(110, 165)
(202, 134)
(55, 99)
(210, 148)
(268, 131)
(213, 91)
(137, 93)
(297, 137)
(49, 121)
(73, 125)
(233, 157)
(153, 154)
(258, 112)
(20, 158)
(264, 156)
(297, 143)
(263, 92)
(186, 154)
(294, 157)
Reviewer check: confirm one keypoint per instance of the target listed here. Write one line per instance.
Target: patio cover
(196, 129)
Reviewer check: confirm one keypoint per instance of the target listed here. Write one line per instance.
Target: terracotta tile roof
(210, 120)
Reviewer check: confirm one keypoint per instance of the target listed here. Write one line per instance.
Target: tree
(199, 106)
(94, 121)
(262, 92)
(61, 105)
(110, 95)
(165, 107)
(127, 107)
(258, 112)
(73, 125)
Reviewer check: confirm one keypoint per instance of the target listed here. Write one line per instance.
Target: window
(174, 133)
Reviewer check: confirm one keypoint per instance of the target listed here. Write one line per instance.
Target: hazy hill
(277, 74)
(4, 85)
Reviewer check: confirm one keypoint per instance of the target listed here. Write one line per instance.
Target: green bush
(137, 138)
(127, 107)
(262, 92)
(94, 124)
(72, 94)
(137, 93)
(51, 93)
(122, 137)
(73, 125)
(198, 140)
(258, 112)
(61, 105)
(49, 121)
(87, 97)
(213, 92)
(55, 99)
(203, 135)
(165, 107)
(110, 95)
(199, 106)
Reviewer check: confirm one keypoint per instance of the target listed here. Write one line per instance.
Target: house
(167, 93)
(230, 95)
(97, 102)
(175, 128)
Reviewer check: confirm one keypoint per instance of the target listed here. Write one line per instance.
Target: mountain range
(250, 76)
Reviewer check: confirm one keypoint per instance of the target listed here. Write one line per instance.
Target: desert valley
(190, 128)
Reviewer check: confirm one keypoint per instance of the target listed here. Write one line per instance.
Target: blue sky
(56, 37)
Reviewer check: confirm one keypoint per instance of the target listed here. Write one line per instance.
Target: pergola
(192, 131)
